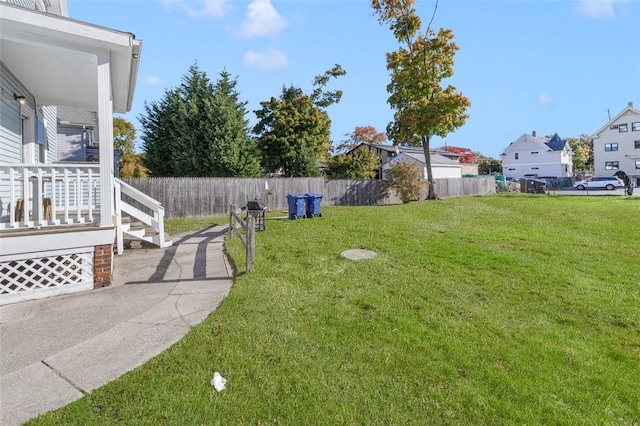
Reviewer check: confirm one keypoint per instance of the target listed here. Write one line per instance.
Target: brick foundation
(102, 265)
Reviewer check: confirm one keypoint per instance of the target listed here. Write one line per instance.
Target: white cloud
(262, 19)
(544, 99)
(152, 80)
(268, 60)
(198, 8)
(598, 8)
(216, 8)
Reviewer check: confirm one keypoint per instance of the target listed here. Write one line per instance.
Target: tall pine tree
(232, 152)
(199, 129)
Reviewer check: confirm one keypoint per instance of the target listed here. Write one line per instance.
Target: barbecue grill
(256, 208)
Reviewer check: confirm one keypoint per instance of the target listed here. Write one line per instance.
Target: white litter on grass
(218, 381)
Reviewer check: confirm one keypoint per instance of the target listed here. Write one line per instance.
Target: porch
(52, 237)
(59, 221)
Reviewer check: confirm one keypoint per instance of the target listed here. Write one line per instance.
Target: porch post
(105, 138)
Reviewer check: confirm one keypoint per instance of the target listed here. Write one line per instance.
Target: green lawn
(505, 309)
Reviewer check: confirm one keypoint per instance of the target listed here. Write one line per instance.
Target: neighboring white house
(59, 222)
(616, 145)
(77, 138)
(387, 153)
(76, 134)
(441, 167)
(532, 155)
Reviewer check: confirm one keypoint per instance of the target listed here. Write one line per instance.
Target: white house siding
(450, 169)
(444, 171)
(10, 137)
(72, 144)
(49, 117)
(627, 154)
(11, 148)
(544, 167)
(566, 168)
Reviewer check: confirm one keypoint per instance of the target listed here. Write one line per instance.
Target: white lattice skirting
(55, 272)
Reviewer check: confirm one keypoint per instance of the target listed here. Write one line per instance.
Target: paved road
(590, 192)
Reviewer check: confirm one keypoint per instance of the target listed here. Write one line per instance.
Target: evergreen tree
(232, 152)
(199, 129)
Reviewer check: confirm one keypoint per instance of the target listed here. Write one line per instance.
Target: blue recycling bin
(313, 204)
(296, 206)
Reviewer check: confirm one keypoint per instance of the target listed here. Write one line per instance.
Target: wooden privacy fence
(193, 197)
(249, 237)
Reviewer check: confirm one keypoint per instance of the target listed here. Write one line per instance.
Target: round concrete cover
(357, 254)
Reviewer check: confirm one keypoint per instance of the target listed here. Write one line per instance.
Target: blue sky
(551, 66)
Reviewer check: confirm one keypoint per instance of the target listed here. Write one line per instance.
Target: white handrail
(138, 195)
(156, 221)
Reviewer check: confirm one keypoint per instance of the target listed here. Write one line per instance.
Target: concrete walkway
(55, 350)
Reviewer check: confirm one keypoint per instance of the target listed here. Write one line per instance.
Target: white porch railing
(43, 195)
(149, 211)
(36, 196)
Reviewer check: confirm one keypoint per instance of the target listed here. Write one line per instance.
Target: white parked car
(600, 182)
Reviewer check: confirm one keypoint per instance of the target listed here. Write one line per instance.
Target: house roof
(402, 149)
(628, 110)
(76, 117)
(525, 137)
(57, 58)
(556, 143)
(436, 159)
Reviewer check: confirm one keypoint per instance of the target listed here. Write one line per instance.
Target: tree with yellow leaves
(423, 107)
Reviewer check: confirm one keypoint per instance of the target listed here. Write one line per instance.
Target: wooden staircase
(133, 222)
(138, 231)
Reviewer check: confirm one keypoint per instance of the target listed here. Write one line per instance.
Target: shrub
(404, 178)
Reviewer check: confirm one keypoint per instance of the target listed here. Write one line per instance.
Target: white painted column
(105, 137)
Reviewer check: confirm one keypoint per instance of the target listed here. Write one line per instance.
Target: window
(610, 147)
(623, 128)
(611, 165)
(637, 164)
(613, 126)
(516, 156)
(534, 152)
(635, 126)
(636, 144)
(535, 168)
(42, 133)
(511, 169)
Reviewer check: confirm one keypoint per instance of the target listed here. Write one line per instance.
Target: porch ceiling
(56, 58)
